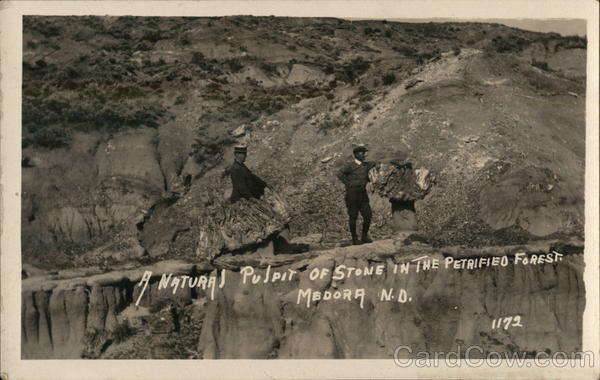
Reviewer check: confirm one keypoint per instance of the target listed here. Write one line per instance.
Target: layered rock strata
(447, 307)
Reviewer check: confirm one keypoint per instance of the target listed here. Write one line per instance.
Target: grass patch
(541, 65)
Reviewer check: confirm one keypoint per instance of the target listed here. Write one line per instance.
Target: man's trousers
(357, 201)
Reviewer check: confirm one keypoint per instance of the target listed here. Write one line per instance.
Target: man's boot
(365, 233)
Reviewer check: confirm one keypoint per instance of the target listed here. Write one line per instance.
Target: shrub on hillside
(48, 121)
(541, 65)
(268, 68)
(327, 31)
(234, 64)
(143, 46)
(208, 149)
(407, 51)
(388, 79)
(122, 331)
(370, 31)
(329, 69)
(571, 42)
(329, 124)
(541, 82)
(184, 40)
(197, 57)
(509, 44)
(355, 68)
(152, 36)
(429, 55)
(49, 137)
(47, 29)
(40, 63)
(118, 33)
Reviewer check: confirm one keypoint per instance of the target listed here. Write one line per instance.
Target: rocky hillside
(126, 120)
(128, 128)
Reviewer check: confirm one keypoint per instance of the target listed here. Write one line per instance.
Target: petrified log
(397, 181)
(227, 226)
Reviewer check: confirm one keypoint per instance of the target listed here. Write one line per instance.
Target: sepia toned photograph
(247, 187)
(386, 189)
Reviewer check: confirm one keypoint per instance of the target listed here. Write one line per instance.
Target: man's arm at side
(343, 174)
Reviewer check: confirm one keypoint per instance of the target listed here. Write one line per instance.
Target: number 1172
(506, 322)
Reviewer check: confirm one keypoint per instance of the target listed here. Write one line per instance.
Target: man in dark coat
(245, 183)
(355, 175)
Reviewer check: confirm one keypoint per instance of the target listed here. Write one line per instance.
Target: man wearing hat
(245, 183)
(355, 176)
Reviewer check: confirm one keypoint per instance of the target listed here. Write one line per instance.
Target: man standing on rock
(245, 183)
(355, 175)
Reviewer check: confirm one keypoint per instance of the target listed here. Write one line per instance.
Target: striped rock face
(224, 226)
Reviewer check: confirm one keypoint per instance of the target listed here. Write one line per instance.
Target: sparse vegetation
(122, 331)
(407, 51)
(508, 44)
(330, 124)
(354, 69)
(268, 68)
(388, 79)
(159, 305)
(208, 149)
(118, 84)
(129, 72)
(541, 65)
(234, 64)
(181, 99)
(48, 137)
(571, 42)
(428, 55)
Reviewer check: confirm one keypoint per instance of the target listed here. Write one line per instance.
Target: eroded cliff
(94, 315)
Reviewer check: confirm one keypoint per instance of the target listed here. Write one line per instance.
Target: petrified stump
(398, 182)
(404, 216)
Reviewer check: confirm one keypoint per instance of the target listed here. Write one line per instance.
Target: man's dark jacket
(355, 176)
(245, 183)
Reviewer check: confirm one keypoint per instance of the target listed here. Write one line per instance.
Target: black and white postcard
(292, 187)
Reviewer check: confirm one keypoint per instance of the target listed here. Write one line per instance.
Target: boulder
(239, 131)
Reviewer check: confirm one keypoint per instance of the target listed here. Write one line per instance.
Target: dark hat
(360, 148)
(240, 149)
